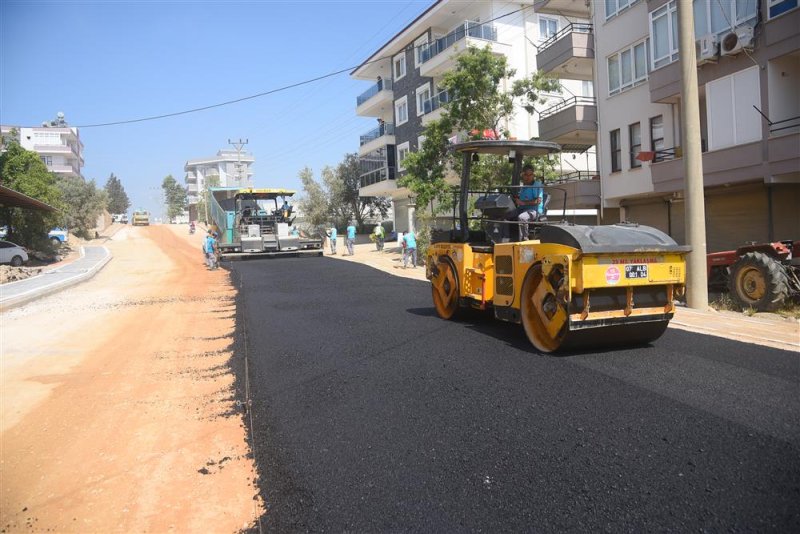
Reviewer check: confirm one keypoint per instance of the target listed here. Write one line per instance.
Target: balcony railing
(378, 175)
(575, 176)
(468, 29)
(568, 103)
(667, 154)
(435, 102)
(380, 131)
(374, 90)
(577, 27)
(785, 124)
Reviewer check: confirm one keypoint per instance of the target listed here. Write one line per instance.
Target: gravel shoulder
(118, 409)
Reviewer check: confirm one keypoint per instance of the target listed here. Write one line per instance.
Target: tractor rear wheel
(444, 289)
(758, 281)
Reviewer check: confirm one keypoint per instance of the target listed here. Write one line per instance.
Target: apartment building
(748, 55)
(230, 168)
(404, 93)
(59, 147)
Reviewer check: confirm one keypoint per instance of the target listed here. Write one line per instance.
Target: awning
(14, 199)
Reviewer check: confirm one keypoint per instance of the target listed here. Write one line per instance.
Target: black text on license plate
(636, 271)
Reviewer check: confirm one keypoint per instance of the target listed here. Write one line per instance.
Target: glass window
(616, 152)
(640, 61)
(613, 7)
(657, 133)
(402, 152)
(635, 138)
(399, 66)
(401, 111)
(548, 27)
(613, 74)
(419, 46)
(423, 95)
(664, 33)
(626, 67)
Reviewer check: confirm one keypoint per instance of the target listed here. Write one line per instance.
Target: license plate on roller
(636, 271)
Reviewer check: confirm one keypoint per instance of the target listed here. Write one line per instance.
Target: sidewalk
(91, 260)
(766, 329)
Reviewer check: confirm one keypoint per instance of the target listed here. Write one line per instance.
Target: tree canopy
(175, 196)
(118, 201)
(335, 199)
(476, 104)
(24, 171)
(84, 201)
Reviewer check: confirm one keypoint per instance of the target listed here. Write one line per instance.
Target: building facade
(229, 168)
(59, 147)
(748, 57)
(404, 94)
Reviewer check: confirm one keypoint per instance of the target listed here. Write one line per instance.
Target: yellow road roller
(571, 286)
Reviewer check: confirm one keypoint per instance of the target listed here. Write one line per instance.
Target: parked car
(13, 254)
(58, 236)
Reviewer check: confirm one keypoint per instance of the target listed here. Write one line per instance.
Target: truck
(568, 285)
(251, 224)
(141, 218)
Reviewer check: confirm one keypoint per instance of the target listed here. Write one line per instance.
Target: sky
(109, 61)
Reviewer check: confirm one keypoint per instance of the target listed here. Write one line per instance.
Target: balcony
(569, 53)
(191, 189)
(571, 123)
(432, 108)
(378, 183)
(783, 156)
(581, 188)
(375, 100)
(726, 166)
(439, 56)
(567, 8)
(376, 138)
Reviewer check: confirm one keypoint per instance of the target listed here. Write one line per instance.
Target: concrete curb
(37, 292)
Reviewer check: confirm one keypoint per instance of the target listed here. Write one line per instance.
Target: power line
(265, 93)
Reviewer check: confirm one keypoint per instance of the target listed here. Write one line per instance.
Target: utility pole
(695, 216)
(238, 145)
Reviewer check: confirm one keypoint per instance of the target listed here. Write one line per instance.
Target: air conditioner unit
(736, 41)
(707, 48)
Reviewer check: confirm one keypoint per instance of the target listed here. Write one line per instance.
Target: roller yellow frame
(569, 285)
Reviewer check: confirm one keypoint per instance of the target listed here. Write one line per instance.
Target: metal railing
(568, 103)
(380, 131)
(572, 27)
(378, 175)
(785, 124)
(667, 154)
(472, 29)
(374, 90)
(435, 102)
(574, 176)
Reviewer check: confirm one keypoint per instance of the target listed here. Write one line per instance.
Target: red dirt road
(117, 408)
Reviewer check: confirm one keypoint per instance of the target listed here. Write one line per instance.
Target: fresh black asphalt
(370, 414)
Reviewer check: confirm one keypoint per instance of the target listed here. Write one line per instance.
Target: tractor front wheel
(758, 281)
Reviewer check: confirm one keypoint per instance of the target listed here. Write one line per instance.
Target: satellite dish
(60, 115)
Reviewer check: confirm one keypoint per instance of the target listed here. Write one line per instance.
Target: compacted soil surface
(117, 405)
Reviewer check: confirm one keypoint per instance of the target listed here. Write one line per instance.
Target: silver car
(13, 254)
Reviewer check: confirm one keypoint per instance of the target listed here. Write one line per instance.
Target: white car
(13, 254)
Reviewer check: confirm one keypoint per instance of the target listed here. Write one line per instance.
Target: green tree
(118, 201)
(335, 199)
(175, 196)
(23, 171)
(202, 202)
(84, 202)
(344, 186)
(315, 204)
(476, 104)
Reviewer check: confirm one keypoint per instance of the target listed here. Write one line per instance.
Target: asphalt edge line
(32, 294)
(756, 340)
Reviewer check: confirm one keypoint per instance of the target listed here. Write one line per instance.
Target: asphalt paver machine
(251, 223)
(571, 286)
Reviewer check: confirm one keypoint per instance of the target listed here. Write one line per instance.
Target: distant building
(231, 169)
(58, 145)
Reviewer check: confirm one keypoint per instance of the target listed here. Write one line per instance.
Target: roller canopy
(611, 238)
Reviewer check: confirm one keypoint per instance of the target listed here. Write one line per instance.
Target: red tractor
(758, 275)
